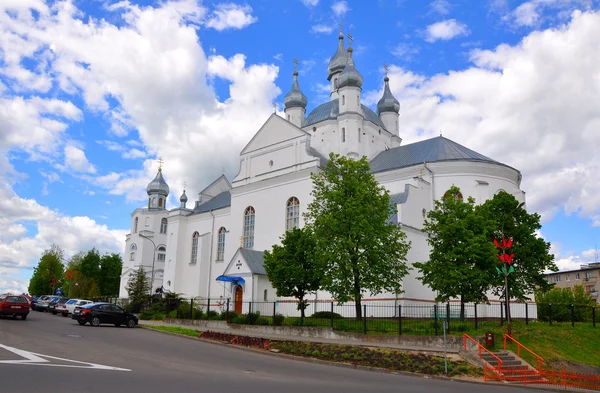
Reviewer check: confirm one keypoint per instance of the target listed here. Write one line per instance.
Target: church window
(194, 258)
(248, 238)
(271, 163)
(380, 132)
(135, 225)
(132, 250)
(335, 83)
(357, 100)
(221, 244)
(457, 197)
(147, 222)
(160, 202)
(163, 225)
(153, 204)
(162, 254)
(343, 135)
(289, 117)
(359, 135)
(314, 129)
(343, 100)
(292, 219)
(265, 295)
(396, 125)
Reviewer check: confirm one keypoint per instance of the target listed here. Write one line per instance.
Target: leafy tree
(532, 254)
(90, 265)
(138, 288)
(461, 261)
(292, 267)
(562, 299)
(110, 274)
(49, 269)
(74, 289)
(355, 240)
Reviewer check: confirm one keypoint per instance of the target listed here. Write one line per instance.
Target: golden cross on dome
(160, 163)
(386, 69)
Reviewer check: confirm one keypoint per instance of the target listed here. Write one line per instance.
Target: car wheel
(23, 317)
(81, 322)
(131, 323)
(95, 321)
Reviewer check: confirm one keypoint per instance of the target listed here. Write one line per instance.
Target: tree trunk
(302, 311)
(462, 308)
(357, 300)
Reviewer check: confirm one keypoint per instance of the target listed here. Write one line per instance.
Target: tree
(361, 249)
(532, 256)
(74, 267)
(48, 273)
(461, 261)
(566, 303)
(138, 288)
(292, 267)
(111, 266)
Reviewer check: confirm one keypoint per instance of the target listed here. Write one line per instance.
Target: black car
(55, 302)
(104, 313)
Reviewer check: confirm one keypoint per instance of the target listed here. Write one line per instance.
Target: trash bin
(489, 340)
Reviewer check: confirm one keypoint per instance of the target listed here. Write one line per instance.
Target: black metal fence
(378, 317)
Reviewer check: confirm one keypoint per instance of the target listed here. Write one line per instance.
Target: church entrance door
(239, 297)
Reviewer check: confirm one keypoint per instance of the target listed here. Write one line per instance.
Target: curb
(364, 368)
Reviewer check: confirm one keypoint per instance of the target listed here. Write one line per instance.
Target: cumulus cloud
(76, 160)
(310, 3)
(533, 13)
(445, 30)
(441, 7)
(533, 105)
(231, 16)
(340, 8)
(322, 28)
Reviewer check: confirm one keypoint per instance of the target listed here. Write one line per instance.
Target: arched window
(458, 196)
(292, 214)
(265, 295)
(163, 225)
(343, 135)
(160, 202)
(335, 83)
(162, 254)
(135, 225)
(359, 135)
(153, 203)
(248, 239)
(194, 258)
(132, 250)
(221, 244)
(343, 100)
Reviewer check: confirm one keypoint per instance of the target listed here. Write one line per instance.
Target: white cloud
(231, 16)
(533, 12)
(526, 14)
(76, 160)
(340, 8)
(533, 106)
(446, 30)
(566, 260)
(126, 152)
(310, 3)
(441, 7)
(406, 51)
(322, 29)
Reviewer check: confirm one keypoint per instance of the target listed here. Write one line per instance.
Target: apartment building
(587, 276)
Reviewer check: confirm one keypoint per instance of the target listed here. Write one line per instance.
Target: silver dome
(295, 97)
(183, 198)
(388, 103)
(350, 76)
(158, 185)
(339, 59)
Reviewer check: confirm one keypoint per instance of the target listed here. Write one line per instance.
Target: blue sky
(93, 92)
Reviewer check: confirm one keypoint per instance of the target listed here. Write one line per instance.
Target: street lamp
(153, 258)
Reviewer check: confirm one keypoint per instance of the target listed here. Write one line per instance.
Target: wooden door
(239, 297)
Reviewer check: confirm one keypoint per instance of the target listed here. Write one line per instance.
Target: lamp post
(153, 258)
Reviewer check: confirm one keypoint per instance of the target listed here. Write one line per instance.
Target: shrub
(261, 321)
(212, 314)
(173, 314)
(197, 313)
(158, 317)
(253, 317)
(278, 319)
(326, 315)
(146, 315)
(240, 319)
(228, 316)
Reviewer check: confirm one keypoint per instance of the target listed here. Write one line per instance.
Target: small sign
(59, 291)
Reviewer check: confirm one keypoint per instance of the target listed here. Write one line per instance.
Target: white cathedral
(214, 248)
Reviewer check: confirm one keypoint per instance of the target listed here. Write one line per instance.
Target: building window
(135, 225)
(248, 238)
(194, 258)
(457, 197)
(359, 135)
(221, 244)
(265, 295)
(292, 214)
(357, 100)
(588, 275)
(343, 135)
(162, 254)
(567, 277)
(163, 225)
(556, 278)
(160, 202)
(132, 250)
(335, 83)
(577, 277)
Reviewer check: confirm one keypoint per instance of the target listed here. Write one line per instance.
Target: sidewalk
(354, 340)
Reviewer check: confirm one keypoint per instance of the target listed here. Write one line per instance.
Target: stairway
(512, 367)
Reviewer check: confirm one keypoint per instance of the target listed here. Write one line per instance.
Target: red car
(14, 305)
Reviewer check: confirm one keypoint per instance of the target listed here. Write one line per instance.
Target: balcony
(594, 294)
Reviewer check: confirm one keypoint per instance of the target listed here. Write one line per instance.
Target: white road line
(37, 359)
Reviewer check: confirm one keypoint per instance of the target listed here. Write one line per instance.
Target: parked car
(33, 302)
(104, 313)
(55, 303)
(14, 305)
(69, 306)
(43, 301)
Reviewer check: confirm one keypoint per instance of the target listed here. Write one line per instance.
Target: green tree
(48, 271)
(532, 254)
(461, 261)
(110, 274)
(566, 303)
(138, 288)
(292, 267)
(361, 249)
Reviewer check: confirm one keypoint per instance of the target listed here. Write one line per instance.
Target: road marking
(37, 359)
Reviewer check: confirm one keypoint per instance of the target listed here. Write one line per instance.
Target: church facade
(213, 247)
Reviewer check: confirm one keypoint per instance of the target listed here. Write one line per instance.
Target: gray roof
(331, 110)
(338, 60)
(315, 153)
(295, 97)
(254, 259)
(430, 150)
(397, 199)
(158, 185)
(350, 76)
(220, 201)
(388, 103)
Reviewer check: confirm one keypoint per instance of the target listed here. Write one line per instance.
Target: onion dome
(158, 185)
(350, 76)
(295, 97)
(339, 60)
(183, 198)
(388, 103)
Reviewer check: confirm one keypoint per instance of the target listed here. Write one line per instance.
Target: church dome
(158, 185)
(339, 59)
(295, 97)
(183, 198)
(350, 76)
(388, 103)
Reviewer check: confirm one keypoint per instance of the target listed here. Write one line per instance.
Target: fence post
(526, 313)
(399, 319)
(572, 315)
(594, 316)
(207, 308)
(227, 315)
(192, 308)
(332, 314)
(476, 321)
(448, 315)
(365, 318)
(550, 313)
(435, 320)
(501, 313)
(274, 311)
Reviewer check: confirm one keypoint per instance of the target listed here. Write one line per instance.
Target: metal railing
(481, 348)
(540, 360)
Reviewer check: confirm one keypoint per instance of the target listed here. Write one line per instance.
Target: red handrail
(519, 345)
(481, 347)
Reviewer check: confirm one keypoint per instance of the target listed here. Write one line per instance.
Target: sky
(93, 92)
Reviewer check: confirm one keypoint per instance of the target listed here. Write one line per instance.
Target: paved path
(47, 354)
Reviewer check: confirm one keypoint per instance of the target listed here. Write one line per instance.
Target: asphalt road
(44, 354)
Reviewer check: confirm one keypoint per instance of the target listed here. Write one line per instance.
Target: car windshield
(72, 301)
